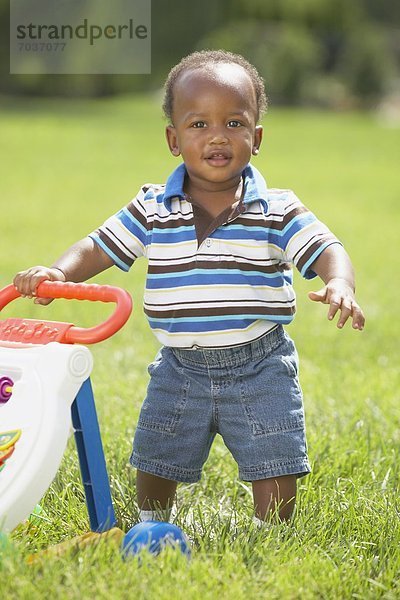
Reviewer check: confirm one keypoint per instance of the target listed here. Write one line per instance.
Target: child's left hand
(340, 296)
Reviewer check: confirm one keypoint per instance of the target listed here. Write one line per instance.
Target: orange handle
(82, 291)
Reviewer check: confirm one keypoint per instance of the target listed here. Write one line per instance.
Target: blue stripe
(288, 276)
(295, 226)
(127, 217)
(173, 229)
(221, 272)
(206, 319)
(237, 232)
(188, 279)
(309, 274)
(179, 234)
(114, 257)
(133, 225)
(187, 326)
(269, 234)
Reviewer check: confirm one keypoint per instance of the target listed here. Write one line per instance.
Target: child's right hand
(27, 281)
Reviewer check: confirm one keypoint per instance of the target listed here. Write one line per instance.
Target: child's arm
(80, 262)
(334, 267)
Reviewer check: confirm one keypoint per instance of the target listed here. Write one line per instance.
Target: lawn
(65, 167)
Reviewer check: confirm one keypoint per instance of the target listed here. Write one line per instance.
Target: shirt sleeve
(304, 236)
(123, 236)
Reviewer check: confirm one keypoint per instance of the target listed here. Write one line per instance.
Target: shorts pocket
(270, 427)
(271, 395)
(166, 398)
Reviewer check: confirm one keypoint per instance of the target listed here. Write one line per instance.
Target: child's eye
(234, 123)
(198, 124)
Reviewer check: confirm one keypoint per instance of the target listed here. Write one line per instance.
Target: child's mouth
(217, 159)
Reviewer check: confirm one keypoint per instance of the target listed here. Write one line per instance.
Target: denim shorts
(249, 394)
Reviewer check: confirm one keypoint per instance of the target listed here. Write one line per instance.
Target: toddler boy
(219, 246)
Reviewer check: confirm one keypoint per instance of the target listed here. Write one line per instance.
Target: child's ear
(172, 140)
(258, 133)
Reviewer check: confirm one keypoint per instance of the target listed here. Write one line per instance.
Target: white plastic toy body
(46, 380)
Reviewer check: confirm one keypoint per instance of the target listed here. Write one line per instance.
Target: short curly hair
(207, 58)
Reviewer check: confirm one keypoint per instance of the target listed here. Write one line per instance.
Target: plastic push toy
(44, 382)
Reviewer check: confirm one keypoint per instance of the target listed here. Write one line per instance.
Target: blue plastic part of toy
(154, 536)
(91, 459)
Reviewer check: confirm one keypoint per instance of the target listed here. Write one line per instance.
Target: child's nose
(218, 135)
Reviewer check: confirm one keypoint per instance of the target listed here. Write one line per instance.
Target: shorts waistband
(231, 356)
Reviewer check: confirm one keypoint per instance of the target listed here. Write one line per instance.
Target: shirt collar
(255, 187)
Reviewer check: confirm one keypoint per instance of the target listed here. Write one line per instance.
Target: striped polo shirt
(230, 287)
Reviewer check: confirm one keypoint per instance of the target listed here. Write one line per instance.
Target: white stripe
(303, 240)
(192, 293)
(123, 237)
(228, 337)
(213, 303)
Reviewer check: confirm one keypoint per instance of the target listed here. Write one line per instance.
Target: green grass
(65, 167)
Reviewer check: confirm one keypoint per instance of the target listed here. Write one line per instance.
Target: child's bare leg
(275, 496)
(155, 493)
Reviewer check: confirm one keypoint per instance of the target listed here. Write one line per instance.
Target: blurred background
(338, 54)
(75, 149)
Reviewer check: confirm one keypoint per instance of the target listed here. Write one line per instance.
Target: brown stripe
(166, 217)
(153, 260)
(220, 311)
(319, 241)
(212, 225)
(297, 210)
(172, 223)
(244, 301)
(115, 239)
(107, 241)
(270, 223)
(210, 265)
(132, 208)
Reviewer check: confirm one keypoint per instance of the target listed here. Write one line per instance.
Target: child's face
(214, 124)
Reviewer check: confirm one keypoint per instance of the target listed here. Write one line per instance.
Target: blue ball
(154, 536)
